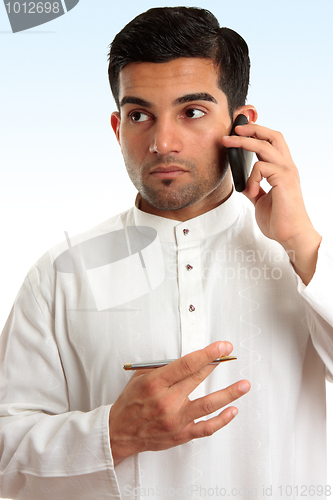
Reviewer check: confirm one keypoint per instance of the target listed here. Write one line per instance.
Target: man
(187, 267)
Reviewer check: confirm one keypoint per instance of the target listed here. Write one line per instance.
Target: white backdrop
(60, 166)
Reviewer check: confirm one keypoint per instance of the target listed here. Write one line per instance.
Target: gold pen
(157, 364)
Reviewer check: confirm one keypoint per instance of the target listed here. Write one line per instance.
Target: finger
(253, 190)
(186, 386)
(264, 150)
(261, 133)
(208, 427)
(285, 176)
(189, 365)
(215, 401)
(267, 141)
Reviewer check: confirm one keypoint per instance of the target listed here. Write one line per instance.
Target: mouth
(167, 172)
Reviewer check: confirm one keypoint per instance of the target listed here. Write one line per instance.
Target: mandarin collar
(208, 224)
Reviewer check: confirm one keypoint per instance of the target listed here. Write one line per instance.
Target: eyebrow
(128, 99)
(198, 96)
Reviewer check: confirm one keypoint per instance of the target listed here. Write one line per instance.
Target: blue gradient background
(61, 168)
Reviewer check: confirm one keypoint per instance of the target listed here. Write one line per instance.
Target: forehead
(173, 78)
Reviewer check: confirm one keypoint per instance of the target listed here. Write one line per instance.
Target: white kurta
(140, 287)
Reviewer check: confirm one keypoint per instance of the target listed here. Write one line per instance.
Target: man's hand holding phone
(280, 213)
(154, 412)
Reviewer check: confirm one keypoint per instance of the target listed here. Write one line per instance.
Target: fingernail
(229, 346)
(225, 348)
(244, 387)
(222, 348)
(234, 412)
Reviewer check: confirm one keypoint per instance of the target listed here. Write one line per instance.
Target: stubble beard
(171, 196)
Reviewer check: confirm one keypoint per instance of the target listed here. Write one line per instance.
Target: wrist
(121, 445)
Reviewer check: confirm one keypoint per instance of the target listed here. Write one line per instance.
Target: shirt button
(186, 231)
(189, 267)
(191, 308)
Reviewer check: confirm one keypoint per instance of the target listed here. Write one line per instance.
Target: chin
(162, 200)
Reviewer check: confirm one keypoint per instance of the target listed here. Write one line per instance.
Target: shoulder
(66, 256)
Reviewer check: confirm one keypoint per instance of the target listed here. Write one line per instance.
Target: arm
(280, 213)
(47, 450)
(51, 451)
(318, 301)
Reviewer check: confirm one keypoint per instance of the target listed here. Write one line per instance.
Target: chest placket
(191, 300)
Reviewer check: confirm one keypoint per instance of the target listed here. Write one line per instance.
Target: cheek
(208, 146)
(129, 148)
(209, 137)
(132, 145)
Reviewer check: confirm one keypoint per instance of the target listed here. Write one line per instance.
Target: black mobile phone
(239, 159)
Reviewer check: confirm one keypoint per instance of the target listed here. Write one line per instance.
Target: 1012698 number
(305, 491)
(33, 7)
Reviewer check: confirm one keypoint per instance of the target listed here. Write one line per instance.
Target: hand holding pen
(155, 413)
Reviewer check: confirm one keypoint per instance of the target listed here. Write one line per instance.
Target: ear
(249, 111)
(115, 124)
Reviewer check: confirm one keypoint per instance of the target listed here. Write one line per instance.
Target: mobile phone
(240, 160)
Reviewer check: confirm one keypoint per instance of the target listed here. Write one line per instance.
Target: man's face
(172, 118)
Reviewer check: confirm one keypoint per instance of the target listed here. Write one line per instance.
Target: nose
(166, 137)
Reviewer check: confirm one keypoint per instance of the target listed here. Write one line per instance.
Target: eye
(194, 113)
(138, 116)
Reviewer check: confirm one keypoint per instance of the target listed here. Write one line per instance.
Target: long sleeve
(62, 353)
(47, 451)
(319, 310)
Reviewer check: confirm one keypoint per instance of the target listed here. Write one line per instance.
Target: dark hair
(167, 33)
